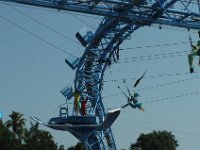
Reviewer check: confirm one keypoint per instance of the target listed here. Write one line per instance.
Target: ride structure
(121, 19)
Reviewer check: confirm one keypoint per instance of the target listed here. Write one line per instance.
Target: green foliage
(159, 140)
(78, 146)
(36, 139)
(61, 147)
(7, 139)
(15, 136)
(17, 123)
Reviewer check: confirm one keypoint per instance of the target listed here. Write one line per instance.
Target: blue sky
(33, 71)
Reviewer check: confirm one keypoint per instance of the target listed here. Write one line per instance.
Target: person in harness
(195, 52)
(133, 102)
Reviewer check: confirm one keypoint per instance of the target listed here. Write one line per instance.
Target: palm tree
(17, 123)
(7, 139)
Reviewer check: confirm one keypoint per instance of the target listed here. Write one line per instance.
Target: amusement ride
(90, 122)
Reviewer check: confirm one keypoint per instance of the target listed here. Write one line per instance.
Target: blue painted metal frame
(180, 13)
(121, 19)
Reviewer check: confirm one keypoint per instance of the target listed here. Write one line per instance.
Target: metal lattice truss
(101, 52)
(180, 13)
(121, 18)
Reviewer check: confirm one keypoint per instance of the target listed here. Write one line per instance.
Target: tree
(61, 147)
(36, 139)
(159, 140)
(15, 136)
(17, 123)
(78, 146)
(7, 139)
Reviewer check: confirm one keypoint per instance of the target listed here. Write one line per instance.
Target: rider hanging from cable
(133, 102)
(132, 98)
(195, 52)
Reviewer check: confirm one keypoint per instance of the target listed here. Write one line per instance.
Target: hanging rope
(158, 86)
(36, 36)
(172, 97)
(154, 57)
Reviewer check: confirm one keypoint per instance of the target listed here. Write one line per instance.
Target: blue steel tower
(121, 19)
